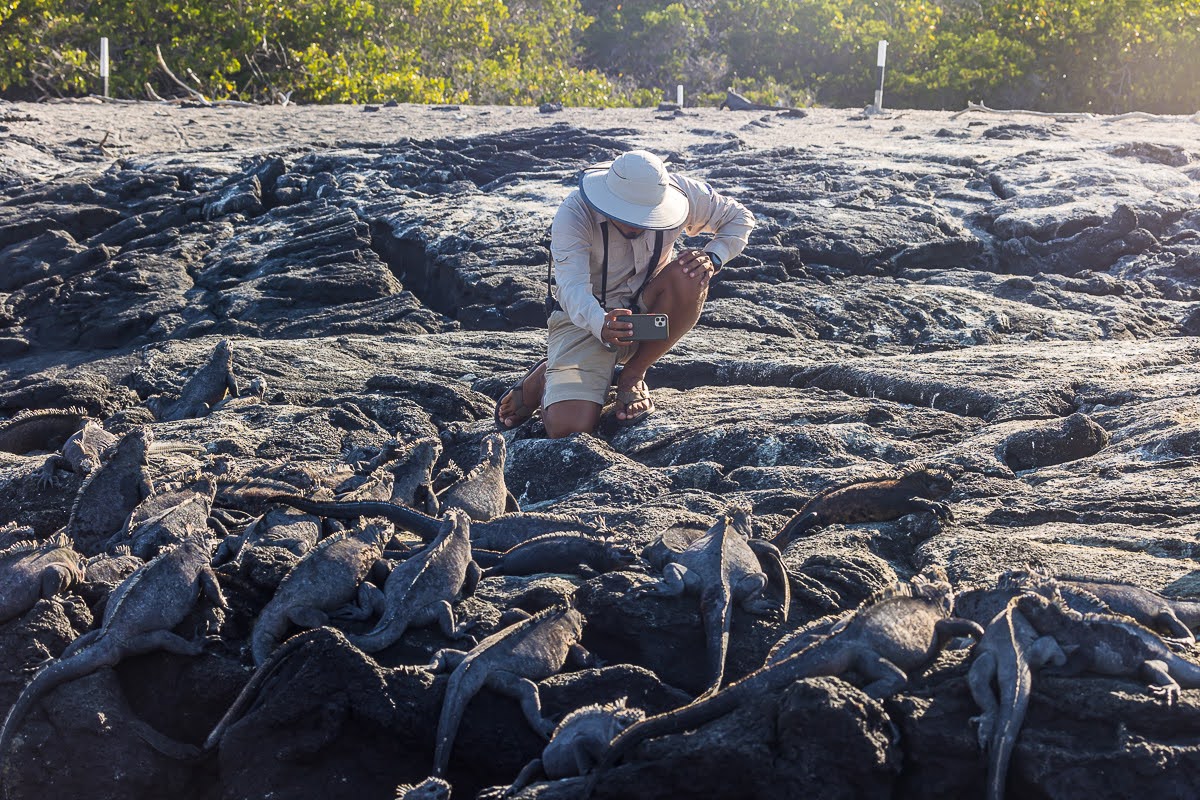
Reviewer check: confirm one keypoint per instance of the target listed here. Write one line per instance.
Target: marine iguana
(508, 661)
(206, 387)
(410, 519)
(578, 743)
(263, 672)
(1174, 617)
(483, 493)
(918, 489)
(172, 514)
(501, 533)
(1006, 655)
(39, 431)
(675, 540)
(1106, 644)
(884, 641)
(428, 789)
(277, 527)
(82, 452)
(413, 475)
(722, 569)
(328, 577)
(30, 571)
(111, 492)
(138, 618)
(561, 553)
(419, 590)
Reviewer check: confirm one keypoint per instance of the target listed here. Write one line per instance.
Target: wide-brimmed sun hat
(635, 189)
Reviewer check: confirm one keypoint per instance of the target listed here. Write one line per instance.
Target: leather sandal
(637, 393)
(522, 411)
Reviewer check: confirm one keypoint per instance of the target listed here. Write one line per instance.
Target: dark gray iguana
(39, 431)
(327, 578)
(1000, 680)
(111, 492)
(409, 519)
(916, 489)
(578, 743)
(138, 618)
(277, 527)
(82, 452)
(721, 568)
(413, 475)
(1107, 644)
(1174, 617)
(483, 494)
(263, 672)
(501, 533)
(562, 553)
(884, 642)
(428, 789)
(174, 513)
(508, 661)
(207, 386)
(30, 571)
(418, 591)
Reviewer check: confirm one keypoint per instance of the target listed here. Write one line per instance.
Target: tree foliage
(1097, 55)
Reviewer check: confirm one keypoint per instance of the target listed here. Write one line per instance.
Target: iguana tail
(716, 609)
(252, 687)
(1014, 702)
(766, 681)
(410, 519)
(1186, 611)
(100, 654)
(1185, 672)
(463, 684)
(387, 632)
(800, 522)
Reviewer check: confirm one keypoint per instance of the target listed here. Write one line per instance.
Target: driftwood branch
(980, 107)
(192, 92)
(1083, 115)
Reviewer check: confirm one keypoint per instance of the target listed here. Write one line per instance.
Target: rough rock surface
(1015, 303)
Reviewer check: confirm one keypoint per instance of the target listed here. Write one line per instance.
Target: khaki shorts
(579, 367)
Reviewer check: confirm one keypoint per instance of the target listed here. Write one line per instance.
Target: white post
(880, 60)
(104, 62)
(679, 95)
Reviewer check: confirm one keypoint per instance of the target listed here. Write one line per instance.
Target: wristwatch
(716, 261)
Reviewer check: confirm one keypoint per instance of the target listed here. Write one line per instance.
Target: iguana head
(619, 556)
(933, 585)
(426, 450)
(493, 448)
(741, 518)
(929, 482)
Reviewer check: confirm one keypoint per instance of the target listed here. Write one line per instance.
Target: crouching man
(612, 243)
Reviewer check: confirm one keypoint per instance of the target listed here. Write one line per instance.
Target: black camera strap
(654, 257)
(603, 298)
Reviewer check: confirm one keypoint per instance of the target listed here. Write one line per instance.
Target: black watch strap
(715, 259)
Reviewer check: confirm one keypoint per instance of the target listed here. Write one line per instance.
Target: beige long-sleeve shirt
(577, 247)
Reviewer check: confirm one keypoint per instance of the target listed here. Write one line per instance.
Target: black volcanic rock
(1018, 308)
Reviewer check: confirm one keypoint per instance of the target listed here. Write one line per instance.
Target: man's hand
(614, 331)
(697, 264)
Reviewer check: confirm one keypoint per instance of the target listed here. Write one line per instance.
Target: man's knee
(674, 284)
(572, 416)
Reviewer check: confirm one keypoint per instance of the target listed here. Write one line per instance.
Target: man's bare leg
(560, 419)
(570, 416)
(531, 395)
(681, 297)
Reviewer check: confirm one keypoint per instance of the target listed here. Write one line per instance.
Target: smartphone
(647, 327)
